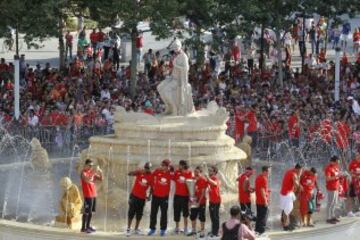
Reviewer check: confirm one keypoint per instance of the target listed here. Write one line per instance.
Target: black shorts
(198, 213)
(136, 207)
(89, 205)
(181, 204)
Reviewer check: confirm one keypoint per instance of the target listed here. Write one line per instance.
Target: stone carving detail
(39, 158)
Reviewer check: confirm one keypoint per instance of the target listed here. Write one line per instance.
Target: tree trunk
(261, 58)
(133, 67)
(61, 43)
(200, 56)
(80, 23)
(279, 58)
(326, 34)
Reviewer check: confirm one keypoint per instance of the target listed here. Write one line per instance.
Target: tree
(37, 20)
(160, 15)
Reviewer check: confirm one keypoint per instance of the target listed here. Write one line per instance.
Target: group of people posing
(299, 197)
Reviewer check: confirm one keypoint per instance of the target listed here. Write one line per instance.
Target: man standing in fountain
(138, 196)
(287, 196)
(214, 200)
(161, 178)
(332, 177)
(88, 177)
(245, 189)
(262, 199)
(181, 198)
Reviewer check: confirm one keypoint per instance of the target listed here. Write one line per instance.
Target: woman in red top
(214, 200)
(308, 182)
(138, 196)
(294, 128)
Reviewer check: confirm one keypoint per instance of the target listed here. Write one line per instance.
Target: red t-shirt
(244, 196)
(214, 191)
(139, 42)
(101, 36)
(288, 182)
(342, 135)
(161, 183)
(141, 184)
(93, 37)
(261, 182)
(251, 117)
(354, 167)
(308, 181)
(332, 170)
(200, 186)
(326, 130)
(293, 127)
(180, 182)
(89, 188)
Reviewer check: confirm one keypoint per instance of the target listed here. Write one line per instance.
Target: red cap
(166, 162)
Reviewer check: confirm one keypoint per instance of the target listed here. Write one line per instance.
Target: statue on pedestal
(175, 91)
(70, 205)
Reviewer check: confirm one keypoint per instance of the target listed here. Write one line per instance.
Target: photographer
(89, 175)
(237, 227)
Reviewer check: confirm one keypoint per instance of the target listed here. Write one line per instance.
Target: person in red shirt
(252, 124)
(354, 169)
(68, 44)
(138, 196)
(181, 198)
(245, 189)
(326, 129)
(262, 199)
(214, 200)
(342, 135)
(294, 128)
(201, 185)
(94, 41)
(308, 182)
(332, 176)
(160, 186)
(89, 175)
(290, 183)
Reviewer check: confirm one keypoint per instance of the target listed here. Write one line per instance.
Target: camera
(248, 216)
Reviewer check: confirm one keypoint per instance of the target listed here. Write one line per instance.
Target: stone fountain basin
(348, 229)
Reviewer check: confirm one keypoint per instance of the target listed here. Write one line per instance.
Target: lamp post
(337, 74)
(16, 87)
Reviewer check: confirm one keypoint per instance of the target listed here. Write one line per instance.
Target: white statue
(176, 91)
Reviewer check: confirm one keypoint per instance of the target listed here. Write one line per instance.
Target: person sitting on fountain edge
(88, 177)
(198, 211)
(287, 196)
(160, 189)
(181, 198)
(138, 196)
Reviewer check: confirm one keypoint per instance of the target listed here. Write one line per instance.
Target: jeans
(156, 203)
(215, 218)
(331, 204)
(262, 213)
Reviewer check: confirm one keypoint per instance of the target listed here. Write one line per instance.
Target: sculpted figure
(70, 204)
(175, 91)
(39, 158)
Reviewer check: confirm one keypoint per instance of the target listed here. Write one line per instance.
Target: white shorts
(287, 202)
(345, 37)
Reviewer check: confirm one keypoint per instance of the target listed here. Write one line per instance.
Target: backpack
(230, 234)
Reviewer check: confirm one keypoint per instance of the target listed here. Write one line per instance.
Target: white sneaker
(138, 232)
(351, 214)
(357, 214)
(128, 232)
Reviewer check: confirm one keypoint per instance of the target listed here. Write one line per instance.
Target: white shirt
(105, 94)
(33, 121)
